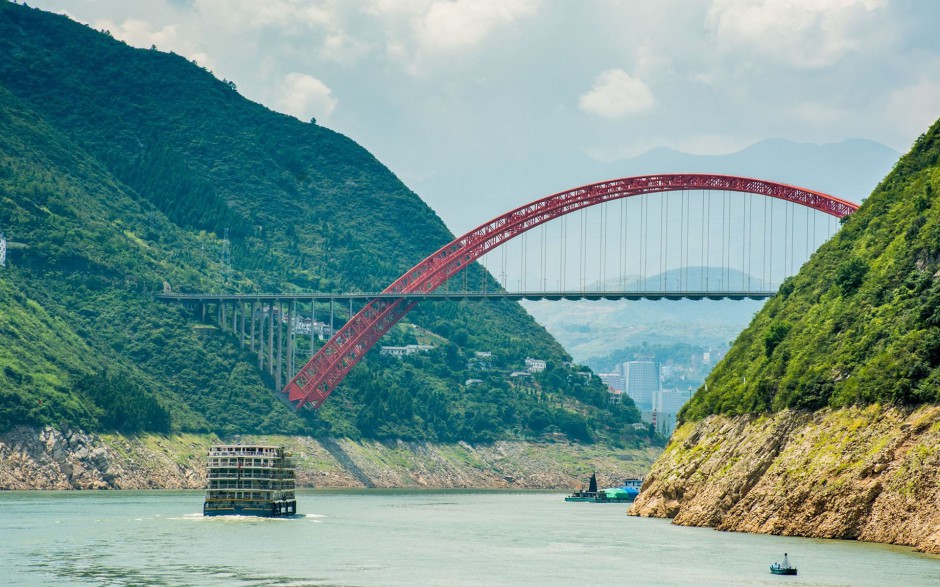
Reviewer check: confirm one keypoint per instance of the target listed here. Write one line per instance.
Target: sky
(435, 87)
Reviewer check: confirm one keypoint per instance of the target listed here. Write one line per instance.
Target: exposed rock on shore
(51, 459)
(869, 474)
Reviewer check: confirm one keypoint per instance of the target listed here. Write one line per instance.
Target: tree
(850, 275)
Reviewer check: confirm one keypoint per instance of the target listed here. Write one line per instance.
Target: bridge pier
(313, 321)
(241, 335)
(280, 343)
(260, 321)
(270, 337)
(290, 339)
(251, 339)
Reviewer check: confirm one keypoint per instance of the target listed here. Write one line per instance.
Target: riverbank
(869, 474)
(32, 458)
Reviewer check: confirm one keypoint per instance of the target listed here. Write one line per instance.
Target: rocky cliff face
(869, 474)
(50, 459)
(47, 458)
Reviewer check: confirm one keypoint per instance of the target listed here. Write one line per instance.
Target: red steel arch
(320, 376)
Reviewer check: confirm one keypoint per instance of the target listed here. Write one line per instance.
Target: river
(408, 538)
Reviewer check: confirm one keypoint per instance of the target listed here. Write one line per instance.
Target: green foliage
(860, 323)
(122, 170)
(850, 275)
(777, 332)
(124, 406)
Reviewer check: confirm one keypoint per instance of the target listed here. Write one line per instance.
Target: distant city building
(612, 380)
(534, 365)
(641, 382)
(614, 396)
(670, 401)
(666, 405)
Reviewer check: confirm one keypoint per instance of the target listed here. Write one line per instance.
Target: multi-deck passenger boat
(250, 480)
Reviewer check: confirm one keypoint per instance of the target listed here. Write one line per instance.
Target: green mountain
(860, 323)
(123, 169)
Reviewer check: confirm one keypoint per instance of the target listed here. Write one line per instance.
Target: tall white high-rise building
(641, 382)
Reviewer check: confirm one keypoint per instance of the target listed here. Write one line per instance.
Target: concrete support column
(235, 318)
(280, 345)
(251, 320)
(290, 340)
(260, 335)
(241, 333)
(222, 315)
(271, 337)
(313, 320)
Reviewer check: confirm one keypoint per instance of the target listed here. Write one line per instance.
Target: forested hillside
(121, 169)
(860, 323)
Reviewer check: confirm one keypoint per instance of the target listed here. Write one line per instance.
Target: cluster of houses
(481, 360)
(401, 351)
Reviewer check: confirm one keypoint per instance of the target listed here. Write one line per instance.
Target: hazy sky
(430, 86)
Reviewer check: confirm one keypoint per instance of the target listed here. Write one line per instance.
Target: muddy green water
(408, 538)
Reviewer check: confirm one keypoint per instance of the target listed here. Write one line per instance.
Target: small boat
(783, 569)
(624, 494)
(589, 495)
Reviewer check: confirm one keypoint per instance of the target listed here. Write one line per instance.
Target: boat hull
(262, 510)
(599, 499)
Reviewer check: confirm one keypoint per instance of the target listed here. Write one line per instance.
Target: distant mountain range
(473, 194)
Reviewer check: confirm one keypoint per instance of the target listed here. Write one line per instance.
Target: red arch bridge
(694, 236)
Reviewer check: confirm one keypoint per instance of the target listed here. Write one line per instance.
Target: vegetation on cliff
(860, 323)
(122, 169)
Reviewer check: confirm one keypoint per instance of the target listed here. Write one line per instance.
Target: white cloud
(139, 33)
(916, 107)
(142, 33)
(802, 33)
(285, 15)
(304, 96)
(419, 33)
(615, 94)
(455, 25)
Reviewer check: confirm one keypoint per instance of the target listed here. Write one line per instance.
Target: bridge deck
(475, 295)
